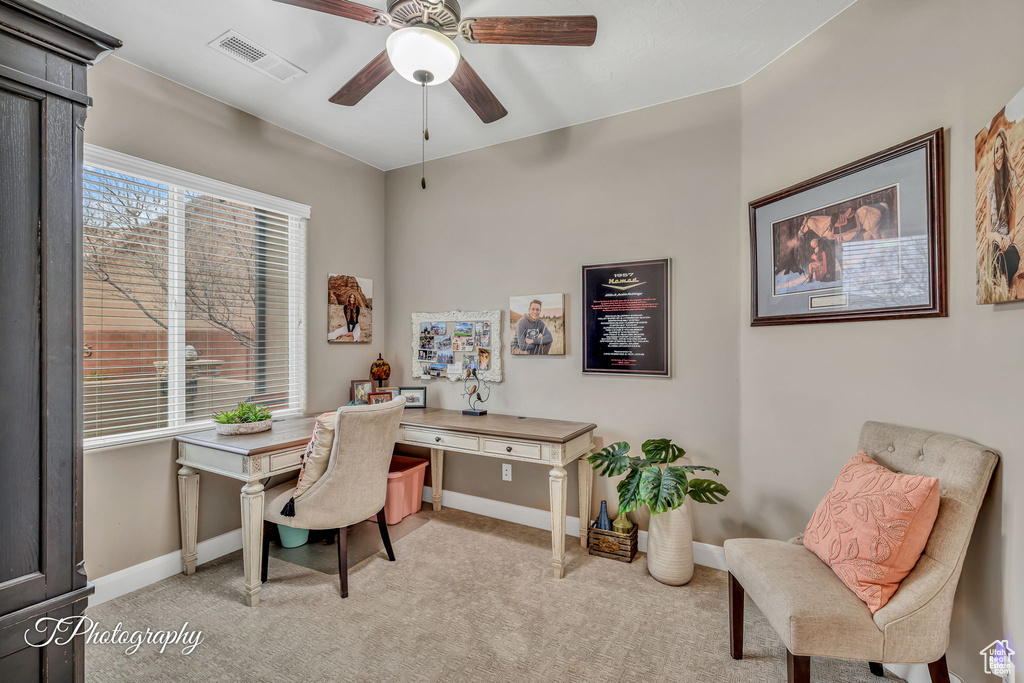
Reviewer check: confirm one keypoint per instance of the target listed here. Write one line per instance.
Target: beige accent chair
(353, 488)
(814, 612)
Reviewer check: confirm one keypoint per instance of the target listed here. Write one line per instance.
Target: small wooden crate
(613, 545)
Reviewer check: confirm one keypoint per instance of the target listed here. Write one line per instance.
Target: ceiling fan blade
(477, 94)
(343, 8)
(363, 82)
(578, 31)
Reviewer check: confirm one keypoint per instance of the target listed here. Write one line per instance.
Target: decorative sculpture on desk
(476, 391)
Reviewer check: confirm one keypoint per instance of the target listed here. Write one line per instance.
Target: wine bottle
(603, 523)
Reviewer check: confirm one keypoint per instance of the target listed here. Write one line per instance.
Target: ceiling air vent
(255, 56)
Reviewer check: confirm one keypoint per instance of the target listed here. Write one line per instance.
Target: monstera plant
(662, 487)
(647, 483)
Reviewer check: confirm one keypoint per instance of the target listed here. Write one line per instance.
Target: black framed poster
(626, 318)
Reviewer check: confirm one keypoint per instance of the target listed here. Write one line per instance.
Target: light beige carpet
(469, 599)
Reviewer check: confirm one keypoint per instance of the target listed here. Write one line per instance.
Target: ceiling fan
(421, 48)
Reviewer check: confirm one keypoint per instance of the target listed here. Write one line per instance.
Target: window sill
(100, 442)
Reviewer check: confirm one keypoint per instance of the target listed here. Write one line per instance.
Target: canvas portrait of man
(537, 325)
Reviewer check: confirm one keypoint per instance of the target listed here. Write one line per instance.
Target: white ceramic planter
(670, 547)
(245, 427)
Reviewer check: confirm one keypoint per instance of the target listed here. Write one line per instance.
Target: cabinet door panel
(21, 532)
(60, 246)
(25, 665)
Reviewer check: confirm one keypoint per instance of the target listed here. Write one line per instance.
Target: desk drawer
(516, 448)
(289, 459)
(442, 439)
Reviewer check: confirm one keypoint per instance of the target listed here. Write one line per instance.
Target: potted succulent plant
(663, 488)
(247, 418)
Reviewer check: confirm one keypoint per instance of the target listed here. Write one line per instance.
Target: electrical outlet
(506, 471)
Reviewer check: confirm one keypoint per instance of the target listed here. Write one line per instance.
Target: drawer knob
(508, 448)
(437, 439)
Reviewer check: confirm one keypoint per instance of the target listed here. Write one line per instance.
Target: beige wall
(523, 217)
(674, 180)
(881, 73)
(131, 505)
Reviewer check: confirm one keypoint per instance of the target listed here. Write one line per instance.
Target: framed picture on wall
(349, 309)
(452, 343)
(537, 325)
(998, 191)
(863, 242)
(626, 318)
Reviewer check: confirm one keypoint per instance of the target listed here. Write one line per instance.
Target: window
(194, 299)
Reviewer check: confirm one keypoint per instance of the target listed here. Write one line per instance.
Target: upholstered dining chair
(814, 612)
(352, 489)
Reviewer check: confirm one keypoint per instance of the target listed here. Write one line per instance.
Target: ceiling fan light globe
(416, 49)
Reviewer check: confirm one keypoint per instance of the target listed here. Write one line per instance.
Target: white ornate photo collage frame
(425, 350)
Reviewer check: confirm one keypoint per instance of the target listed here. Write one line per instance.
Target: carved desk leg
(586, 491)
(558, 485)
(188, 509)
(252, 540)
(436, 470)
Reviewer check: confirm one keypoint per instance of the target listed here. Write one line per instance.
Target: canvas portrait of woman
(349, 309)
(998, 156)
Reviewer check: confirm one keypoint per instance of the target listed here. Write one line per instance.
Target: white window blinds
(193, 299)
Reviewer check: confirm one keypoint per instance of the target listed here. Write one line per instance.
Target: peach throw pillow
(872, 527)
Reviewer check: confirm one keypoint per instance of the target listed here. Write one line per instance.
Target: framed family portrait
(392, 392)
(863, 242)
(998, 190)
(378, 397)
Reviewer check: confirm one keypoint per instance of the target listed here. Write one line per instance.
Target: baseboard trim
(159, 568)
(703, 553)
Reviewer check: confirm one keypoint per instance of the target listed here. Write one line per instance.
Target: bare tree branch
(126, 248)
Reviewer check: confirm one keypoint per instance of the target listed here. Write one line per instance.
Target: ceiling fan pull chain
(423, 143)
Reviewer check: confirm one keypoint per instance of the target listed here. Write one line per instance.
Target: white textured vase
(244, 427)
(670, 547)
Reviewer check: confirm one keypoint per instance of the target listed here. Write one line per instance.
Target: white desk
(255, 457)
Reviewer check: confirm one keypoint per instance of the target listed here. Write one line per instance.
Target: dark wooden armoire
(44, 56)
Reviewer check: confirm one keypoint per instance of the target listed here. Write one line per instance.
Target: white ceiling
(647, 52)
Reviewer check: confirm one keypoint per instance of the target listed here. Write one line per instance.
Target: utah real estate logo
(998, 658)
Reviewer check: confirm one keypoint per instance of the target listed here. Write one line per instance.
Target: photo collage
(454, 349)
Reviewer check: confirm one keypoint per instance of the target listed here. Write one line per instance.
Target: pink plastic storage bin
(405, 488)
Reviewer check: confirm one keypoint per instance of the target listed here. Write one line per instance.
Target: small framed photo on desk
(360, 392)
(378, 397)
(390, 391)
(415, 397)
